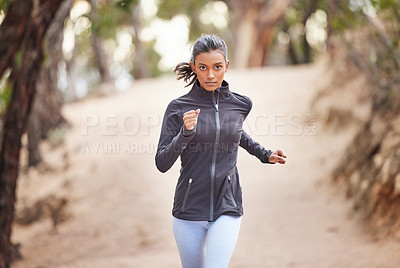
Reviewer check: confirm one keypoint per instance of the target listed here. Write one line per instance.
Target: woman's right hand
(190, 119)
(277, 156)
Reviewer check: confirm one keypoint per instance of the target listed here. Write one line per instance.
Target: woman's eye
(218, 67)
(202, 68)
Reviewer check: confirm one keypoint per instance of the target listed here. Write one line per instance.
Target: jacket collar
(223, 92)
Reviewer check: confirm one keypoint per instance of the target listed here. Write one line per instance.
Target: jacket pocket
(186, 193)
(230, 191)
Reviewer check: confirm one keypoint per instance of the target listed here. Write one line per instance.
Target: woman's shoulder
(243, 99)
(176, 103)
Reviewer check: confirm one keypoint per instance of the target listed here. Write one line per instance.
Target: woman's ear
(226, 66)
(193, 67)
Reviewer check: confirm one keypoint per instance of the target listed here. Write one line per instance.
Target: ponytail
(184, 71)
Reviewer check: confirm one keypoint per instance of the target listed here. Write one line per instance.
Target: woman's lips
(211, 83)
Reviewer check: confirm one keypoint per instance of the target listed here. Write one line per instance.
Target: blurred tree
(308, 8)
(46, 109)
(4, 4)
(368, 33)
(191, 8)
(253, 29)
(113, 15)
(24, 27)
(141, 67)
(252, 25)
(97, 40)
(70, 94)
(8, 49)
(299, 49)
(153, 58)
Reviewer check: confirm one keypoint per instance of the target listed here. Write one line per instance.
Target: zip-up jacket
(208, 185)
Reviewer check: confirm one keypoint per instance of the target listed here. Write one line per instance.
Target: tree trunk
(38, 19)
(253, 26)
(307, 50)
(309, 10)
(12, 32)
(264, 35)
(70, 94)
(292, 53)
(141, 64)
(100, 58)
(46, 109)
(294, 59)
(331, 8)
(99, 54)
(243, 29)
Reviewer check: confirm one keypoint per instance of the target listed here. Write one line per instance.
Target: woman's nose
(210, 75)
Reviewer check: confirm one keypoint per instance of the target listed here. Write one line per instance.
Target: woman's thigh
(221, 241)
(190, 238)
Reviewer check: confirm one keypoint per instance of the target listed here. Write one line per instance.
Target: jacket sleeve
(173, 139)
(254, 148)
(251, 146)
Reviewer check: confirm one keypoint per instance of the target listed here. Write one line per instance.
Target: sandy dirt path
(121, 205)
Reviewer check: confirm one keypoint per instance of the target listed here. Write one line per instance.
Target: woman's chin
(210, 88)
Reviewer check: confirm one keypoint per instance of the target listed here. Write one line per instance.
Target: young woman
(204, 128)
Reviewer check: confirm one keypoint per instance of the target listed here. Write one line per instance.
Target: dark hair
(205, 43)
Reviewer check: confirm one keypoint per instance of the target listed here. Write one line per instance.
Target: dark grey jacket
(208, 185)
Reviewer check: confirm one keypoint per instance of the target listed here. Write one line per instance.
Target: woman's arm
(256, 149)
(173, 139)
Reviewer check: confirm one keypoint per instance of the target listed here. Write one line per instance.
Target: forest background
(55, 53)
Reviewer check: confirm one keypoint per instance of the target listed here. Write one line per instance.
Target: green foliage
(294, 25)
(153, 58)
(374, 49)
(108, 19)
(349, 16)
(126, 5)
(18, 58)
(5, 96)
(4, 4)
(170, 8)
(385, 4)
(344, 18)
(167, 9)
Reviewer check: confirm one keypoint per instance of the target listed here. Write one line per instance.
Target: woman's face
(210, 68)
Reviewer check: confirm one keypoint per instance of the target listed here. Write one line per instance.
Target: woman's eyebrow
(200, 63)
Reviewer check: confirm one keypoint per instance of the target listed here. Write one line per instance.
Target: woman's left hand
(278, 156)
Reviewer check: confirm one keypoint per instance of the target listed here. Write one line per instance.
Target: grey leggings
(203, 244)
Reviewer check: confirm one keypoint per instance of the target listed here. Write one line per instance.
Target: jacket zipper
(186, 193)
(230, 190)
(214, 159)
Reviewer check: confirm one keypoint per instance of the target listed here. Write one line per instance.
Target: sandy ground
(121, 205)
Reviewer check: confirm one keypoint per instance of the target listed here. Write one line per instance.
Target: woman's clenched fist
(190, 119)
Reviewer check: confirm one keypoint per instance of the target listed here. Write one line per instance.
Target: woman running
(204, 128)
